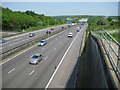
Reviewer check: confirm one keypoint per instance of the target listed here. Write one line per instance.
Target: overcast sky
(66, 8)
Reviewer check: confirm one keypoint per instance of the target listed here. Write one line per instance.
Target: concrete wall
(92, 70)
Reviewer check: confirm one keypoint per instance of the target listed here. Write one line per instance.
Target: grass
(116, 36)
(38, 27)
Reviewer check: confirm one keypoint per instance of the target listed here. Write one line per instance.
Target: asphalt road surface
(18, 73)
(15, 41)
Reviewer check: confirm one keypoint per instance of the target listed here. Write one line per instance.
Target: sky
(66, 8)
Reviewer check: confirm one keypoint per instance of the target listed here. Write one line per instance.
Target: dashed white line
(54, 49)
(17, 39)
(25, 40)
(59, 64)
(43, 48)
(11, 70)
(32, 72)
(29, 48)
(13, 44)
(46, 58)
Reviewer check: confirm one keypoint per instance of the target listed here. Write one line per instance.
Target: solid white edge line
(29, 48)
(11, 70)
(60, 63)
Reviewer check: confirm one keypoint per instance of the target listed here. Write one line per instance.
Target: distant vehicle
(48, 32)
(70, 35)
(68, 25)
(35, 58)
(73, 24)
(52, 29)
(31, 34)
(42, 42)
(77, 30)
(62, 27)
(2, 41)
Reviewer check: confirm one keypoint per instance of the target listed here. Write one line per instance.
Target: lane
(19, 40)
(22, 63)
(61, 78)
(26, 75)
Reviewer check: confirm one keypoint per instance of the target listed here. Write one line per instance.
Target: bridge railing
(112, 48)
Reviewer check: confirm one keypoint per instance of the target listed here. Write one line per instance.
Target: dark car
(48, 32)
(68, 25)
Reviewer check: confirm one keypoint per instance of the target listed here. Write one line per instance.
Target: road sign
(69, 21)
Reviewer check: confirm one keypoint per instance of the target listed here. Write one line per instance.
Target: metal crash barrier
(112, 48)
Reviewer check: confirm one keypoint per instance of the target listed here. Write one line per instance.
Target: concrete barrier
(93, 71)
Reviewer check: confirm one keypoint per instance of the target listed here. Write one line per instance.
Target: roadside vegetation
(108, 23)
(18, 21)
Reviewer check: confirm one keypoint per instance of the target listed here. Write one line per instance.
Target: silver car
(35, 58)
(2, 41)
(42, 42)
(31, 34)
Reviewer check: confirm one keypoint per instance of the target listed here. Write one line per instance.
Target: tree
(102, 22)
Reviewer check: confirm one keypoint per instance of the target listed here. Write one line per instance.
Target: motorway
(17, 40)
(18, 73)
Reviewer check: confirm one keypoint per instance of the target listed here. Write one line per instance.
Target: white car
(31, 34)
(42, 42)
(70, 35)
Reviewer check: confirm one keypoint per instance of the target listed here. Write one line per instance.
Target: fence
(112, 48)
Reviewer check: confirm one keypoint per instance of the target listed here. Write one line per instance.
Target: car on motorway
(78, 29)
(70, 35)
(68, 25)
(35, 58)
(42, 42)
(52, 29)
(62, 27)
(73, 24)
(48, 32)
(31, 34)
(2, 41)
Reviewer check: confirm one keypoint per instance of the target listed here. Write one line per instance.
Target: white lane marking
(54, 49)
(13, 44)
(32, 72)
(43, 48)
(17, 39)
(1, 47)
(60, 63)
(29, 48)
(11, 70)
(55, 35)
(17, 55)
(46, 58)
(25, 40)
